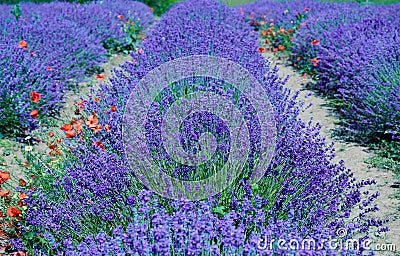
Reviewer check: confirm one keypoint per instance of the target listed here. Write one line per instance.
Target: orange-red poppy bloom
(261, 49)
(100, 76)
(4, 193)
(22, 182)
(306, 9)
(281, 30)
(281, 47)
(51, 134)
(113, 108)
(34, 113)
(23, 196)
(66, 127)
(107, 128)
(99, 144)
(92, 121)
(23, 44)
(264, 32)
(70, 134)
(97, 128)
(121, 17)
(49, 68)
(275, 50)
(21, 253)
(304, 75)
(266, 41)
(13, 211)
(291, 38)
(314, 60)
(35, 97)
(52, 146)
(290, 30)
(298, 58)
(78, 127)
(80, 103)
(315, 42)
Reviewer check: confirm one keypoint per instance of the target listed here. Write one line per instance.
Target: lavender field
(199, 128)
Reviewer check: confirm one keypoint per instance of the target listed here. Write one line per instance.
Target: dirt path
(11, 151)
(353, 155)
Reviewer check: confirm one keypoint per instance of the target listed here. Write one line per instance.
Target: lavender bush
(94, 190)
(353, 52)
(48, 47)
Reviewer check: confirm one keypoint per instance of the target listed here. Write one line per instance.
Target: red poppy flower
(51, 134)
(34, 113)
(70, 134)
(23, 44)
(304, 75)
(80, 103)
(23, 196)
(290, 31)
(52, 146)
(49, 68)
(4, 176)
(113, 109)
(100, 76)
(4, 193)
(66, 127)
(275, 49)
(78, 127)
(92, 121)
(99, 144)
(298, 58)
(107, 128)
(121, 17)
(281, 47)
(97, 128)
(261, 49)
(266, 41)
(306, 9)
(315, 42)
(21, 253)
(22, 182)
(13, 211)
(35, 97)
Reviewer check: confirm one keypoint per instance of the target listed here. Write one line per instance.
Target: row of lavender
(353, 51)
(47, 47)
(92, 204)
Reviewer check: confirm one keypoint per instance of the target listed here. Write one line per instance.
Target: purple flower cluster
(61, 42)
(302, 194)
(357, 54)
(361, 66)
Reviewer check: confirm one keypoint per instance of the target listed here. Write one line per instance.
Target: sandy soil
(353, 154)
